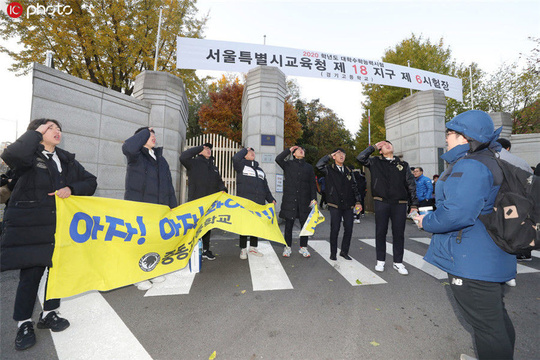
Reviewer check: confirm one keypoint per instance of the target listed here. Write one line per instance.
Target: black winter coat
(203, 176)
(299, 187)
(147, 180)
(251, 180)
(362, 184)
(391, 180)
(30, 218)
(341, 188)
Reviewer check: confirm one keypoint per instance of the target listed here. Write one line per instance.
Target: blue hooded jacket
(460, 244)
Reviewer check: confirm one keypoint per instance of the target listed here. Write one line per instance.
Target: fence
(222, 151)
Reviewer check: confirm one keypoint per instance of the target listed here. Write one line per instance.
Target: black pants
(206, 240)
(481, 304)
(27, 291)
(289, 224)
(335, 224)
(253, 241)
(323, 199)
(398, 214)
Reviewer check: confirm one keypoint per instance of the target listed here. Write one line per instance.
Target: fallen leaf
(445, 283)
(292, 265)
(243, 291)
(237, 285)
(377, 309)
(330, 280)
(358, 282)
(374, 343)
(213, 356)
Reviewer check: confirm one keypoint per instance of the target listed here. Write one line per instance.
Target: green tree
(517, 91)
(106, 42)
(423, 54)
(322, 131)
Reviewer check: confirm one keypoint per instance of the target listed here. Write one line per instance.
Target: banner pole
(369, 126)
(472, 94)
(157, 40)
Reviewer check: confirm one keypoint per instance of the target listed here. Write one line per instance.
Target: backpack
(514, 223)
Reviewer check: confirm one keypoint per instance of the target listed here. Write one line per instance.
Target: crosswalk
(268, 273)
(92, 317)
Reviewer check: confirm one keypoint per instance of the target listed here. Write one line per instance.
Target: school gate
(222, 151)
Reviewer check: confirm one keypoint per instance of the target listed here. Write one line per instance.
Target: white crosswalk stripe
(267, 273)
(521, 269)
(353, 271)
(92, 317)
(176, 283)
(413, 259)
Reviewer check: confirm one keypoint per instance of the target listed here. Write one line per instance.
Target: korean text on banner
(103, 244)
(203, 54)
(315, 217)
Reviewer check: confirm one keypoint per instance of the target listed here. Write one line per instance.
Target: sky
(487, 32)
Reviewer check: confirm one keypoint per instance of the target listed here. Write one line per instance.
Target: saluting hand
(380, 144)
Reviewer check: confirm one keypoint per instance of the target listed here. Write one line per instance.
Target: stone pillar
(263, 113)
(505, 120)
(168, 114)
(415, 126)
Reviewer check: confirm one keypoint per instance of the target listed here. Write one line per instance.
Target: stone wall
(415, 126)
(96, 120)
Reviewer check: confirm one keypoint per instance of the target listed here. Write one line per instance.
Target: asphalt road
(323, 315)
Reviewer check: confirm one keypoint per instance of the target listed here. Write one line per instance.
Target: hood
(477, 126)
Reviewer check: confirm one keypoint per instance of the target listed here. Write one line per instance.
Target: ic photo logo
(15, 10)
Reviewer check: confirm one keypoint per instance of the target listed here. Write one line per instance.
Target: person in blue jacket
(424, 187)
(477, 268)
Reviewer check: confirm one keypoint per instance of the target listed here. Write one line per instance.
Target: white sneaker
(401, 268)
(143, 285)
(304, 251)
(243, 254)
(357, 221)
(255, 252)
(511, 282)
(380, 266)
(158, 279)
(286, 251)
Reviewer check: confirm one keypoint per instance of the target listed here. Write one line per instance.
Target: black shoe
(345, 256)
(25, 336)
(524, 257)
(52, 321)
(333, 257)
(207, 254)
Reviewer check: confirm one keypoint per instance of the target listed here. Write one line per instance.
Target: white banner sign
(201, 54)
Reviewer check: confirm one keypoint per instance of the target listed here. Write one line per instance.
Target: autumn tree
(223, 113)
(106, 42)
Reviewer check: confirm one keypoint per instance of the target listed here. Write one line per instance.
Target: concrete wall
(96, 120)
(415, 126)
(526, 146)
(263, 112)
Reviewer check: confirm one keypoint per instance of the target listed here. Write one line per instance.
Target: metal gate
(222, 151)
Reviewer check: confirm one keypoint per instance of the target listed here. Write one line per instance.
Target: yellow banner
(315, 217)
(102, 244)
